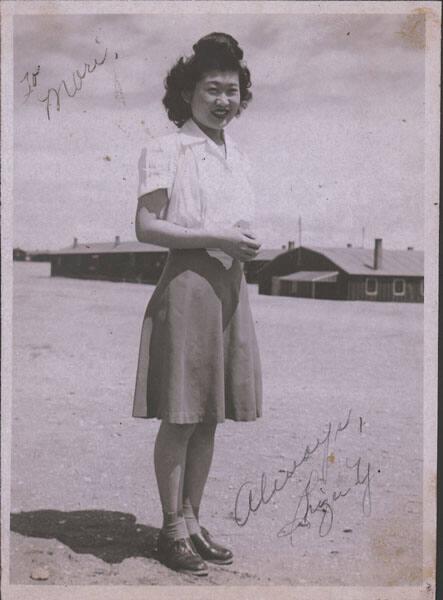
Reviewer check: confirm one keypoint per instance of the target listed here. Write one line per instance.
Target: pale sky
(335, 130)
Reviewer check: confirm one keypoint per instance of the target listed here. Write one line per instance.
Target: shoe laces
(183, 547)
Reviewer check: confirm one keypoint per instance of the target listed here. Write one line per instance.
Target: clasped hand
(240, 243)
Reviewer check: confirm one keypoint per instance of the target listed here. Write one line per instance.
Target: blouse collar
(192, 134)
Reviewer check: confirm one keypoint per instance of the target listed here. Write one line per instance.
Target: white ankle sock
(190, 519)
(174, 526)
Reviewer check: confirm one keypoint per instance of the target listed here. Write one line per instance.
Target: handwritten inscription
(308, 504)
(31, 84)
(54, 94)
(314, 499)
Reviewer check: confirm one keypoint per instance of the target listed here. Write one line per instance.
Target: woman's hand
(239, 242)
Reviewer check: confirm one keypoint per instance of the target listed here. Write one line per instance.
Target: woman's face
(216, 99)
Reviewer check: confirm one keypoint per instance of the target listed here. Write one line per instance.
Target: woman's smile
(220, 112)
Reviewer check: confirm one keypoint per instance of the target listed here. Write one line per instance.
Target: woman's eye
(215, 91)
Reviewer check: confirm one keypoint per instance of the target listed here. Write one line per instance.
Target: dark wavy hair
(213, 52)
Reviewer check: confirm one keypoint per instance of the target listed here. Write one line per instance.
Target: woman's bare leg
(170, 460)
(198, 463)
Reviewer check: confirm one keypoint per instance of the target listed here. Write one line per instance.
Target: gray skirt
(198, 358)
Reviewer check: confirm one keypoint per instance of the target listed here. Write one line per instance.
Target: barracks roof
(359, 261)
(133, 246)
(110, 247)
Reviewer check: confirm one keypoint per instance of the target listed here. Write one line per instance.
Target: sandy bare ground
(84, 499)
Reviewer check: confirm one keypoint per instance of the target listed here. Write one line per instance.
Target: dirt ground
(85, 508)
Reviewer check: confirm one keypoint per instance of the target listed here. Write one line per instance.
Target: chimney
(348, 245)
(291, 245)
(410, 247)
(378, 254)
(117, 241)
(75, 243)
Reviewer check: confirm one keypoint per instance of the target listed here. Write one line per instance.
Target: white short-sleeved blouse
(205, 186)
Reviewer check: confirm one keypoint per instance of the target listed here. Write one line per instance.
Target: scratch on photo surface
(118, 90)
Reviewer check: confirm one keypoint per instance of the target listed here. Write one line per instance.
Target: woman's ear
(187, 95)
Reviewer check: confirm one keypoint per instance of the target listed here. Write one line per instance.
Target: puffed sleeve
(156, 166)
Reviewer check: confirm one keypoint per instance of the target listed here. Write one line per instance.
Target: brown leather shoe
(180, 556)
(209, 550)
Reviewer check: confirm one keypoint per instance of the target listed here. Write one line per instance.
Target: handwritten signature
(313, 499)
(325, 505)
(55, 93)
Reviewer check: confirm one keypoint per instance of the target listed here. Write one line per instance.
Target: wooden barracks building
(308, 272)
(127, 261)
(112, 261)
(346, 274)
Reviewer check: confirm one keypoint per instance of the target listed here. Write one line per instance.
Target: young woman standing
(199, 362)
